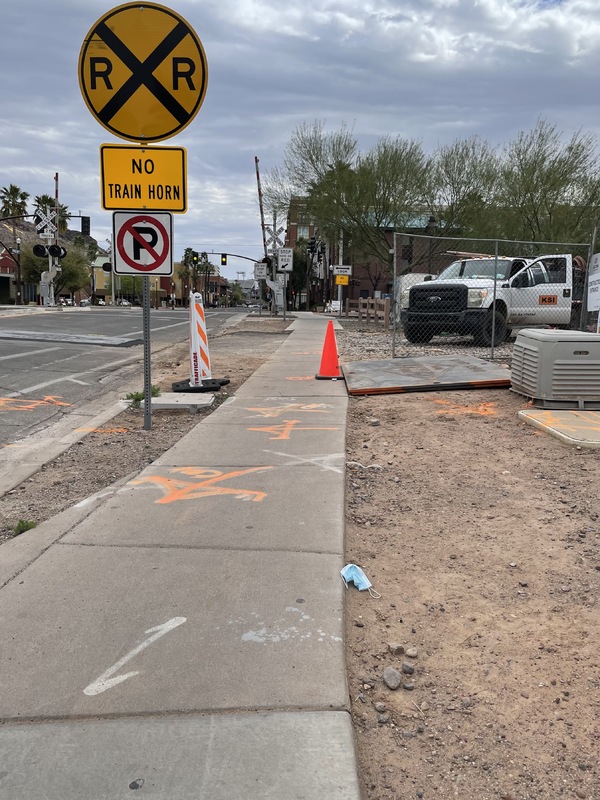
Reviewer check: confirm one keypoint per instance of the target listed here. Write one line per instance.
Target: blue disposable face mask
(353, 574)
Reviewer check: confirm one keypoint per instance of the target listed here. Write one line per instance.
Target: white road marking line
(73, 375)
(105, 681)
(30, 353)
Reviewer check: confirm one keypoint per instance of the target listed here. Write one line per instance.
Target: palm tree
(45, 203)
(13, 201)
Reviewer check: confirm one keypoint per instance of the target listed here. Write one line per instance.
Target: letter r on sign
(96, 73)
(184, 74)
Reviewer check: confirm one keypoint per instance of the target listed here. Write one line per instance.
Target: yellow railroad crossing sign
(143, 72)
(342, 280)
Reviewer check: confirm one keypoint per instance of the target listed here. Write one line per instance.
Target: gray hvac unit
(557, 369)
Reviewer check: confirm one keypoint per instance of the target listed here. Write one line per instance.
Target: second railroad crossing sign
(143, 72)
(142, 243)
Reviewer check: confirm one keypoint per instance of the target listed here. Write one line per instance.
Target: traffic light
(54, 250)
(85, 226)
(107, 266)
(223, 259)
(268, 261)
(194, 257)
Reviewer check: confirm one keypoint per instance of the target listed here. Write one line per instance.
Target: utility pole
(262, 224)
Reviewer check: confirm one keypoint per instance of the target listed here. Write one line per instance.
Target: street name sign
(342, 270)
(143, 243)
(143, 72)
(143, 177)
(285, 259)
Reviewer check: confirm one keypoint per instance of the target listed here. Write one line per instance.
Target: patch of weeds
(24, 525)
(135, 398)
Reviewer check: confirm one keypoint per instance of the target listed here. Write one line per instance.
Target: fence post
(386, 313)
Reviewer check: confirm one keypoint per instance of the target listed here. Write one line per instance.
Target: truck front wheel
(418, 334)
(491, 329)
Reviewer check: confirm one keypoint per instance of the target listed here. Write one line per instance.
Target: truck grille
(438, 299)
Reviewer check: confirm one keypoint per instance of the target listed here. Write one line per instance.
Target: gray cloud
(428, 69)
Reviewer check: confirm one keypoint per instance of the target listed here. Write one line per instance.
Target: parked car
(123, 303)
(86, 302)
(101, 302)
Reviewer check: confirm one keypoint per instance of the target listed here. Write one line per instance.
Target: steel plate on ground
(423, 374)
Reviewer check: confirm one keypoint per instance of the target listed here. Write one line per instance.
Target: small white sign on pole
(593, 299)
(260, 271)
(285, 259)
(341, 269)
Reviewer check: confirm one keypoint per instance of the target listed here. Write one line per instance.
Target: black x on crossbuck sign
(143, 72)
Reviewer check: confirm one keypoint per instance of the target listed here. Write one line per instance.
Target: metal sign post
(147, 353)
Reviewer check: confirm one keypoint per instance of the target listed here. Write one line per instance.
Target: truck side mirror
(428, 278)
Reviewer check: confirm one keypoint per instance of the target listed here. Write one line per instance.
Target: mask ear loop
(373, 593)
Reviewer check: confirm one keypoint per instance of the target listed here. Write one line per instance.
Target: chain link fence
(473, 295)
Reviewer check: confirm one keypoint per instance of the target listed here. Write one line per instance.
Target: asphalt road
(53, 362)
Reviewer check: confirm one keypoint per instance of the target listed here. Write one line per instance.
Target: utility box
(557, 369)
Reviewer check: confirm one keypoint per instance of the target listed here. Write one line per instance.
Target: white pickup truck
(485, 297)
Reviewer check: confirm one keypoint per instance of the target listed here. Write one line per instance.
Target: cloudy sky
(434, 70)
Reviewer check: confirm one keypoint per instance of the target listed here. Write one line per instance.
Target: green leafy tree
(308, 158)
(237, 294)
(461, 188)
(549, 189)
(380, 193)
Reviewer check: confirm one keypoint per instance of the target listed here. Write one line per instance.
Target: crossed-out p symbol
(149, 235)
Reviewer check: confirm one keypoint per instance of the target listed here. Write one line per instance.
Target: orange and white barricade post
(199, 355)
(201, 379)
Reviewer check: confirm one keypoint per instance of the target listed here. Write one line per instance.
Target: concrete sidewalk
(182, 635)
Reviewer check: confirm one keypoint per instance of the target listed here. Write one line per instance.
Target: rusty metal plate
(424, 374)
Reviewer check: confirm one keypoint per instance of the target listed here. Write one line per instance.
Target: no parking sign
(142, 243)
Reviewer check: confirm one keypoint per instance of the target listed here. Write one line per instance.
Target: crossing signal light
(223, 259)
(54, 250)
(107, 266)
(85, 226)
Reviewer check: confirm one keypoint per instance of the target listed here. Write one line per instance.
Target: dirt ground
(482, 537)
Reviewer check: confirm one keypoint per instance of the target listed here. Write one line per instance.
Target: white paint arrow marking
(105, 681)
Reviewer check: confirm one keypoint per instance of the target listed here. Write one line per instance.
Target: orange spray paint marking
(481, 409)
(276, 411)
(24, 404)
(179, 489)
(288, 426)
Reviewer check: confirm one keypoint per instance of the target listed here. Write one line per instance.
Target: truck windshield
(477, 268)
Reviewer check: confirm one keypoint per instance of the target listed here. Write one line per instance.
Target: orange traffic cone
(330, 365)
